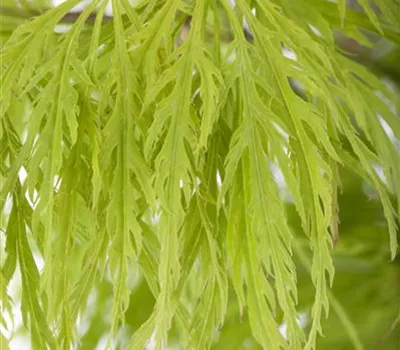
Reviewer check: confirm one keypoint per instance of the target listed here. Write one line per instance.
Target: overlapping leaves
(125, 130)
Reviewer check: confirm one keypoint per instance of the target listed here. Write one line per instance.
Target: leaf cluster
(140, 154)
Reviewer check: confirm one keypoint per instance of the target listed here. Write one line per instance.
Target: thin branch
(70, 17)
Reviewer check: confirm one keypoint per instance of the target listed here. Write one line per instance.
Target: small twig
(72, 17)
(391, 329)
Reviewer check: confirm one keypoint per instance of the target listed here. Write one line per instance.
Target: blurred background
(366, 290)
